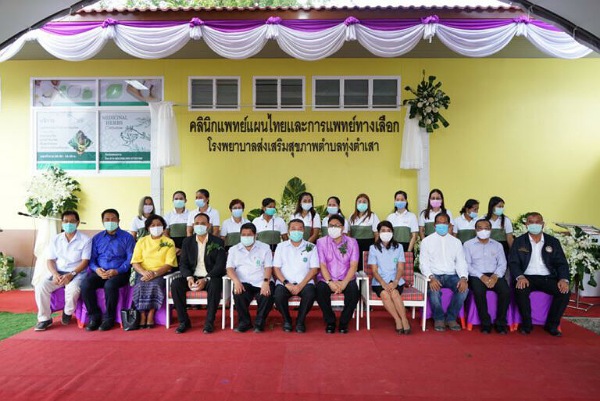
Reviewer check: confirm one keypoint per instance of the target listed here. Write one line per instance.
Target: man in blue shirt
(109, 267)
(487, 265)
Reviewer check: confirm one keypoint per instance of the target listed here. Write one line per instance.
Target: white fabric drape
(412, 144)
(152, 42)
(46, 231)
(164, 132)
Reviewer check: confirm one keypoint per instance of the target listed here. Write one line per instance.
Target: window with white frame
(214, 93)
(356, 93)
(277, 93)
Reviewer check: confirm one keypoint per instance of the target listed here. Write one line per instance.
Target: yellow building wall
(523, 129)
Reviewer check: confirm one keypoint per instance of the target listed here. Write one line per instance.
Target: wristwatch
(285, 282)
(207, 278)
(266, 280)
(73, 273)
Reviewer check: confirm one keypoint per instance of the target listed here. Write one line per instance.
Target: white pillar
(156, 179)
(423, 184)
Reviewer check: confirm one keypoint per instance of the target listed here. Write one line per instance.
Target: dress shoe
(300, 328)
(330, 329)
(242, 329)
(42, 326)
(287, 327)
(486, 329)
(343, 330)
(407, 331)
(183, 326)
(106, 325)
(501, 330)
(524, 330)
(65, 319)
(208, 328)
(439, 325)
(454, 326)
(92, 325)
(553, 331)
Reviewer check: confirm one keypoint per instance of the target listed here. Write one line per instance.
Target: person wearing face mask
(249, 266)
(406, 227)
(68, 257)
(502, 229)
(537, 263)
(333, 207)
(202, 267)
(363, 225)
(487, 265)
(443, 262)
(386, 259)
(270, 229)
(338, 260)
(203, 206)
(306, 212)
(464, 225)
(296, 263)
(177, 220)
(145, 209)
(435, 206)
(109, 268)
(154, 255)
(230, 231)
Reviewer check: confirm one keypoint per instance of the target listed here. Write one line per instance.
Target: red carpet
(66, 363)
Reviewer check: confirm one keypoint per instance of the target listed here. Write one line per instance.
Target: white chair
(196, 297)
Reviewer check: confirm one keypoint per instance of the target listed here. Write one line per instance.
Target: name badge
(549, 249)
(305, 260)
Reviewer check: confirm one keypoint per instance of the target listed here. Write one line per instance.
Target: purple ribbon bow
(523, 18)
(196, 22)
(351, 21)
(432, 19)
(274, 21)
(108, 22)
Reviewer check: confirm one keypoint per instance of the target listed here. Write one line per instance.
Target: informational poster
(60, 93)
(124, 140)
(66, 139)
(130, 92)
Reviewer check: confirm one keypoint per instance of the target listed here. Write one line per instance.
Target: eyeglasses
(333, 226)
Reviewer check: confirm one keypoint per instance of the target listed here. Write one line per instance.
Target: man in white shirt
(68, 257)
(249, 266)
(442, 260)
(537, 263)
(296, 264)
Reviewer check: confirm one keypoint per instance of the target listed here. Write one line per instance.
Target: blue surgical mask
(473, 215)
(498, 211)
(237, 213)
(400, 204)
(199, 229)
(111, 225)
(247, 240)
(534, 229)
(306, 206)
(296, 236)
(200, 203)
(441, 229)
(179, 203)
(69, 228)
(333, 209)
(270, 211)
(362, 207)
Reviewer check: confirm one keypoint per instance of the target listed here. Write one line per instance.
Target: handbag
(130, 318)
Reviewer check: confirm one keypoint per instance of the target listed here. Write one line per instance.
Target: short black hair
(69, 213)
(484, 221)
(204, 192)
(153, 217)
(296, 221)
(248, 226)
(113, 211)
(337, 217)
(202, 214)
(439, 215)
(179, 192)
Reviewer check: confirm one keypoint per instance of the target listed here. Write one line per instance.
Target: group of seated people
(311, 258)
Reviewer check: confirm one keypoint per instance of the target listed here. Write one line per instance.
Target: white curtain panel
(411, 157)
(164, 132)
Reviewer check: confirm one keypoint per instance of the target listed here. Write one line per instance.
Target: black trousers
(363, 245)
(479, 291)
(214, 288)
(351, 295)
(242, 305)
(282, 297)
(546, 284)
(111, 294)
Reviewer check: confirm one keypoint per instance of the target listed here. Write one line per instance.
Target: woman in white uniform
(435, 206)
(306, 212)
(270, 229)
(203, 206)
(464, 225)
(363, 226)
(333, 208)
(502, 229)
(230, 231)
(145, 210)
(177, 220)
(406, 227)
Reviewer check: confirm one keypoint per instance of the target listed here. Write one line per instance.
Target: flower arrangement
(582, 255)
(51, 193)
(309, 247)
(213, 246)
(427, 104)
(343, 248)
(165, 244)
(7, 265)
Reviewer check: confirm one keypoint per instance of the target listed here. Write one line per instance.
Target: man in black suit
(202, 267)
(537, 263)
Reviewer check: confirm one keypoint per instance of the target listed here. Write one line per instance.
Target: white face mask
(386, 236)
(334, 232)
(156, 231)
(484, 234)
(148, 209)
